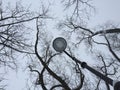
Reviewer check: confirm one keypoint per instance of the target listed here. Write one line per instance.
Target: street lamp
(60, 44)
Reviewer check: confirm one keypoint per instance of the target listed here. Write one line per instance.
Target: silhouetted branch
(110, 49)
(63, 83)
(52, 88)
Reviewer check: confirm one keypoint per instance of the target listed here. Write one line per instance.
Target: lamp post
(60, 44)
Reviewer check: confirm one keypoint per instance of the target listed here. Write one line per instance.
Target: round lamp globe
(59, 44)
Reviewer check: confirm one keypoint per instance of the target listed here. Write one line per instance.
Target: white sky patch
(106, 10)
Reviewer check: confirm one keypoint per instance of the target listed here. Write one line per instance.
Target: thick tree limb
(52, 88)
(63, 83)
(110, 49)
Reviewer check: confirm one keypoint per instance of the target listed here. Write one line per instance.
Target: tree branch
(52, 88)
(63, 83)
(110, 49)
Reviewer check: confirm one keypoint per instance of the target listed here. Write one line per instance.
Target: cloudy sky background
(106, 10)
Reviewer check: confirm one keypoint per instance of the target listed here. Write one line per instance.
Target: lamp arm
(84, 65)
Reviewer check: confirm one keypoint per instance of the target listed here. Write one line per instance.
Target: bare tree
(80, 9)
(13, 31)
(53, 75)
(105, 37)
(109, 39)
(53, 70)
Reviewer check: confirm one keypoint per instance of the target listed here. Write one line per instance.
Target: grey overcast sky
(106, 10)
